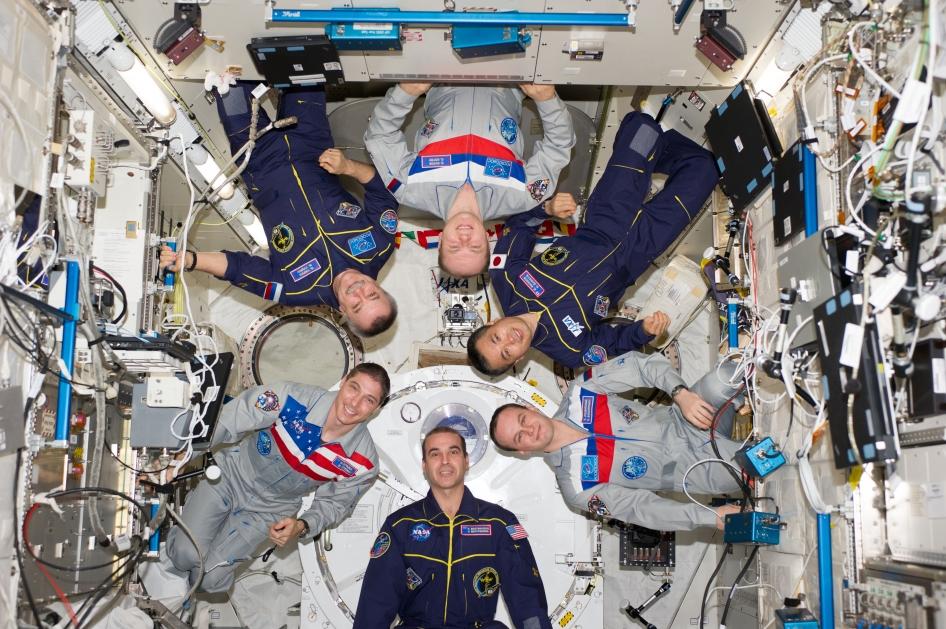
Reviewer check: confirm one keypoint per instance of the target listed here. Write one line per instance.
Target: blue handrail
(513, 18)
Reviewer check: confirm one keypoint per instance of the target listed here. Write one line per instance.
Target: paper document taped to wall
(679, 292)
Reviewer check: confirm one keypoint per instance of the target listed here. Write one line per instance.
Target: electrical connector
(752, 527)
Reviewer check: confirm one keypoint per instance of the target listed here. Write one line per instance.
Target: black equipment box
(744, 142)
(296, 61)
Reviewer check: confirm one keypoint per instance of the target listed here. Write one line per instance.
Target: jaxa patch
(267, 401)
(413, 580)
(381, 545)
(629, 414)
(388, 221)
(420, 532)
(594, 356)
(361, 244)
(497, 261)
(555, 255)
(634, 467)
(264, 443)
(348, 210)
(509, 130)
(499, 168)
(538, 188)
(532, 284)
(282, 238)
(476, 530)
(430, 125)
(573, 326)
(589, 467)
(602, 304)
(596, 506)
(486, 582)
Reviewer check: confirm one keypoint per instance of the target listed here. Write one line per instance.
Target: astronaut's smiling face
(360, 299)
(358, 398)
(464, 245)
(445, 464)
(505, 342)
(523, 430)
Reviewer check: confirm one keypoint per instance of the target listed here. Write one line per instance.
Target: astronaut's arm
(254, 409)
(634, 370)
(251, 273)
(384, 585)
(519, 580)
(378, 200)
(385, 139)
(553, 152)
(335, 501)
(642, 507)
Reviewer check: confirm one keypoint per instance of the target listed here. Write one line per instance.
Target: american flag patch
(516, 531)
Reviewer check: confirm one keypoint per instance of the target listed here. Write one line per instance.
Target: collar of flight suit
(468, 507)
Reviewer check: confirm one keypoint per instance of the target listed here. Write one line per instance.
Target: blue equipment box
(760, 459)
(752, 527)
(795, 618)
(385, 36)
(488, 40)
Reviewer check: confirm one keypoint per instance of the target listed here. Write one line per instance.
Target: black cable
(121, 291)
(16, 527)
(709, 583)
(732, 590)
(747, 493)
(135, 470)
(111, 581)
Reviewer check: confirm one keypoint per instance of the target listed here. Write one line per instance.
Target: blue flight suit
(316, 228)
(574, 282)
(433, 572)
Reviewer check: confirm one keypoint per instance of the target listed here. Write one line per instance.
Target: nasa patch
(388, 221)
(361, 244)
(594, 356)
(267, 401)
(634, 467)
(589, 467)
(381, 545)
(602, 304)
(264, 444)
(538, 188)
(420, 532)
(348, 210)
(509, 130)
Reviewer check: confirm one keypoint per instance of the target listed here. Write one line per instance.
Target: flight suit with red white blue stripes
(471, 135)
(280, 459)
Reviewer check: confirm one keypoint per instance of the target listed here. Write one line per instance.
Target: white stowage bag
(679, 290)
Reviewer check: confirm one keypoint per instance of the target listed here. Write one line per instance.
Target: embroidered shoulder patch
(538, 188)
(594, 356)
(554, 255)
(634, 467)
(486, 582)
(380, 546)
(420, 532)
(589, 467)
(509, 130)
(361, 244)
(497, 261)
(602, 304)
(267, 401)
(348, 210)
(413, 580)
(388, 221)
(517, 531)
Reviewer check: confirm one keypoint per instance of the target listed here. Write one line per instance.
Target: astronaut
(611, 454)
(293, 439)
(555, 301)
(441, 561)
(467, 165)
(325, 247)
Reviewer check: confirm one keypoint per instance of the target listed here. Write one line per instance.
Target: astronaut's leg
(206, 509)
(235, 544)
(717, 387)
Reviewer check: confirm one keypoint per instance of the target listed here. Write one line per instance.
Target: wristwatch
(677, 389)
(190, 267)
(305, 528)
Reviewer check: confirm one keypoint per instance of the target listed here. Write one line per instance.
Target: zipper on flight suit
(446, 600)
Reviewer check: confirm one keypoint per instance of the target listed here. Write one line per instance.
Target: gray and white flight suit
(266, 475)
(471, 135)
(633, 450)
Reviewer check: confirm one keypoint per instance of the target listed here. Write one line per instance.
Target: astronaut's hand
(285, 530)
(657, 323)
(722, 512)
(562, 205)
(171, 260)
(538, 93)
(335, 162)
(695, 409)
(415, 89)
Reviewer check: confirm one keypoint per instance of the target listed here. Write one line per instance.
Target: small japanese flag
(497, 261)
